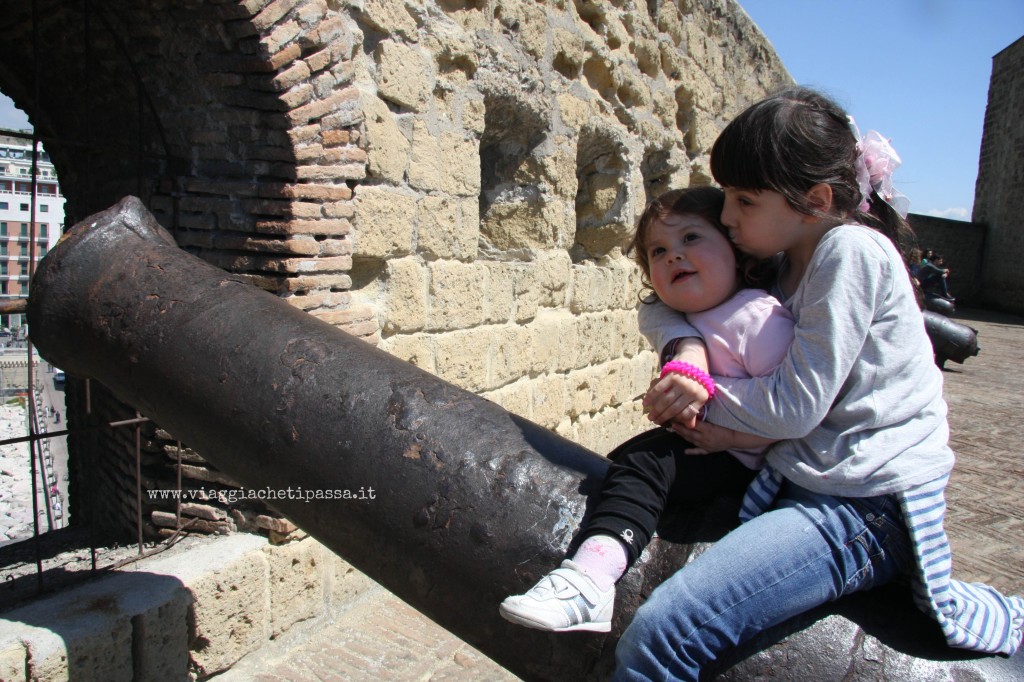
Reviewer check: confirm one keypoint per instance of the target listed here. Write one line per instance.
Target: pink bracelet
(692, 371)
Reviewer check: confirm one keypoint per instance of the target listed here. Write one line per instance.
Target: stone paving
(380, 638)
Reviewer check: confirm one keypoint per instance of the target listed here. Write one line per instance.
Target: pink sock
(602, 558)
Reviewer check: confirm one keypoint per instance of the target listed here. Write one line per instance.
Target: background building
(997, 196)
(27, 216)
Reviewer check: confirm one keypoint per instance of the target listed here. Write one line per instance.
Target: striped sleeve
(972, 615)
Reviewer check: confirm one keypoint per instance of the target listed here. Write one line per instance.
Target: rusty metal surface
(455, 502)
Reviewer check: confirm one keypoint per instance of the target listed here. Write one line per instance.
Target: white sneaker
(564, 600)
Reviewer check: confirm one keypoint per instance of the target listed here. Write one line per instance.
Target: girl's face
(693, 266)
(762, 223)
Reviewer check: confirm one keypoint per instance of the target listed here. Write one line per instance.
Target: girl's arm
(850, 280)
(708, 438)
(662, 325)
(674, 397)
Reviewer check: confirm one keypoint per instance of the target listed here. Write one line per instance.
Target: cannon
(950, 339)
(471, 503)
(940, 305)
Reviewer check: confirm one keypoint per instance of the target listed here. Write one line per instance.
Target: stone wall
(509, 154)
(999, 193)
(186, 614)
(453, 181)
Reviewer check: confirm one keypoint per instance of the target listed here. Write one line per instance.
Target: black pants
(650, 472)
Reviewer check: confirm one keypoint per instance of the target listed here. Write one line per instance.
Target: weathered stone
(386, 221)
(13, 656)
(231, 612)
(296, 583)
(447, 229)
(404, 75)
(405, 308)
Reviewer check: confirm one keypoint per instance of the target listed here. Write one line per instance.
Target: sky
(917, 71)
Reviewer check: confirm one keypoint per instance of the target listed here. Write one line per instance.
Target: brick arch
(228, 120)
(234, 122)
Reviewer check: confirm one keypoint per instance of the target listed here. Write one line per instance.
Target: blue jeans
(807, 550)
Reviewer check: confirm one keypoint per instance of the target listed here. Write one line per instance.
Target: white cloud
(951, 213)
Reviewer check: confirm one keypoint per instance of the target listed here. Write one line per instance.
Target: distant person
(934, 278)
(916, 256)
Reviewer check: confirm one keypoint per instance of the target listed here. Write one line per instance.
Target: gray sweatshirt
(858, 397)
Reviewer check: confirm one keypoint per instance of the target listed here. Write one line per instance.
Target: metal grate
(31, 566)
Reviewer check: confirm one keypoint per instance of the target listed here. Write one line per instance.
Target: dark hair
(703, 201)
(794, 140)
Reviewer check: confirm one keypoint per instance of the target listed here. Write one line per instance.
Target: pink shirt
(746, 336)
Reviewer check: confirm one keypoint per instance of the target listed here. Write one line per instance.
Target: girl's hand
(678, 398)
(709, 438)
(674, 398)
(706, 437)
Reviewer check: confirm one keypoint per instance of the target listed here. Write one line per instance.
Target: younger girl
(686, 258)
(854, 498)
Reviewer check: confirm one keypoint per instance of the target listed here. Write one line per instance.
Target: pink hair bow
(876, 161)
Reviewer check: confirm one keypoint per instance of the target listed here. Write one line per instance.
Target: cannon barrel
(453, 502)
(456, 502)
(950, 339)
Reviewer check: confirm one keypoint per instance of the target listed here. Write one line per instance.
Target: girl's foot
(562, 601)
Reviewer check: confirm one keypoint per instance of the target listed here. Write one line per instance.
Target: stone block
(462, 165)
(296, 583)
(596, 340)
(592, 288)
(122, 627)
(404, 75)
(515, 398)
(510, 356)
(426, 165)
(229, 615)
(99, 649)
(417, 349)
(161, 639)
(404, 306)
(549, 399)
(344, 583)
(515, 225)
(387, 147)
(13, 656)
(500, 300)
(558, 170)
(543, 284)
(454, 295)
(384, 223)
(581, 387)
(445, 230)
(389, 16)
(550, 350)
(462, 358)
(603, 431)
